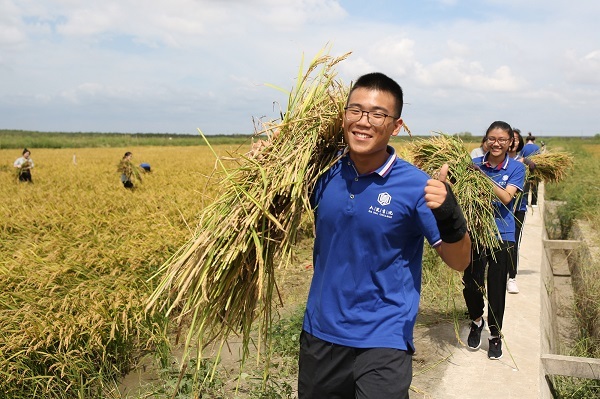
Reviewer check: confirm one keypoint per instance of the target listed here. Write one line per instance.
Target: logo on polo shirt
(384, 199)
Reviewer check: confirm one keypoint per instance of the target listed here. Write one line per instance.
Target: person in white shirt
(481, 150)
(24, 164)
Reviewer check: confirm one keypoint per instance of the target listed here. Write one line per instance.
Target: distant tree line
(10, 139)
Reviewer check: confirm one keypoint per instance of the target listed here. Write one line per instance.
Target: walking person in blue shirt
(531, 185)
(373, 212)
(508, 176)
(530, 147)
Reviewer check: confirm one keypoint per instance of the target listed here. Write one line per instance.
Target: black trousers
(514, 264)
(330, 371)
(25, 175)
(475, 290)
(531, 185)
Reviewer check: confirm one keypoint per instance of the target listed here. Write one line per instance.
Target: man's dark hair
(379, 81)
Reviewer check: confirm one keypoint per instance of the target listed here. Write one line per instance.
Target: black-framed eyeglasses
(375, 118)
(501, 141)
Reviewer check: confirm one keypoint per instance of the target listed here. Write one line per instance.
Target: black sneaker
(474, 340)
(495, 350)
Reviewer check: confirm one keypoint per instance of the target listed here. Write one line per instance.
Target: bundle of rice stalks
(25, 167)
(222, 280)
(551, 167)
(132, 172)
(473, 190)
(403, 151)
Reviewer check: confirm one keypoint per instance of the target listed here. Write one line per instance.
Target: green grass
(578, 388)
(19, 139)
(581, 194)
(580, 203)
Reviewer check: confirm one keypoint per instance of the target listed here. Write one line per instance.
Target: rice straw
(223, 279)
(473, 190)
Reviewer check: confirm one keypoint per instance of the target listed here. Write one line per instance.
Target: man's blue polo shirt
(507, 173)
(367, 256)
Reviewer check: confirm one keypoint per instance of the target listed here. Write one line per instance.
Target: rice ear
(223, 279)
(473, 190)
(551, 167)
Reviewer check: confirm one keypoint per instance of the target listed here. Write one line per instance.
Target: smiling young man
(373, 212)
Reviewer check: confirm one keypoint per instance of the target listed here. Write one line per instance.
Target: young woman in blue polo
(373, 212)
(509, 177)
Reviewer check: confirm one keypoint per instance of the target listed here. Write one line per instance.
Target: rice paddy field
(77, 252)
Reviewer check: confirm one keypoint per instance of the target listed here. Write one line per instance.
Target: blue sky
(174, 66)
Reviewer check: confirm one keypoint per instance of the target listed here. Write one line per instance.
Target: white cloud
(11, 36)
(458, 49)
(170, 64)
(583, 70)
(455, 73)
(10, 25)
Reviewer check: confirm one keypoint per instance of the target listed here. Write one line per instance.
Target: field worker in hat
(373, 212)
(24, 165)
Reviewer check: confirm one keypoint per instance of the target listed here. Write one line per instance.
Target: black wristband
(450, 219)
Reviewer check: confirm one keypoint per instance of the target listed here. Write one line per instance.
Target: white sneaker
(511, 286)
(534, 206)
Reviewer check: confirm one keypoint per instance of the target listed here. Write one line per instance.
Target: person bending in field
(146, 167)
(508, 176)
(24, 164)
(373, 212)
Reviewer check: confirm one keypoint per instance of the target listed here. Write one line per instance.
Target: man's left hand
(435, 190)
